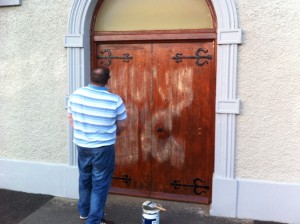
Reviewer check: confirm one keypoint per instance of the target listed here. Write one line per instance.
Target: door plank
(183, 107)
(132, 81)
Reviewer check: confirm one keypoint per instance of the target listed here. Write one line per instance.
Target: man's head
(100, 76)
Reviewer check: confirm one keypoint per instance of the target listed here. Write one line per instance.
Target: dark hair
(100, 75)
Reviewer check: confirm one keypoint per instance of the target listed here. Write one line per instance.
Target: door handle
(159, 129)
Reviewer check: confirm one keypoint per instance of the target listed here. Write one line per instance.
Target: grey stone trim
(230, 36)
(228, 106)
(226, 88)
(77, 41)
(10, 2)
(73, 40)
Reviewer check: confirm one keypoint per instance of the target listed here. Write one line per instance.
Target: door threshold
(160, 195)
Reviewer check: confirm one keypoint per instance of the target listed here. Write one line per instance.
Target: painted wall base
(224, 197)
(40, 178)
(256, 199)
(241, 198)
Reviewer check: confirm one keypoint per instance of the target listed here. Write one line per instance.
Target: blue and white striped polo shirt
(95, 111)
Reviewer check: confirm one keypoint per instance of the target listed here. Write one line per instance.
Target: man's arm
(121, 126)
(70, 118)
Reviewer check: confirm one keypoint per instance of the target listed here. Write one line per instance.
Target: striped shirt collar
(97, 87)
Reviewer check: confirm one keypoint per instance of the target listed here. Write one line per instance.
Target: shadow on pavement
(15, 206)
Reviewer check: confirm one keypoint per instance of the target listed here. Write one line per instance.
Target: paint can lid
(151, 206)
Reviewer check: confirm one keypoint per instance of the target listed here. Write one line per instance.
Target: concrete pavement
(45, 209)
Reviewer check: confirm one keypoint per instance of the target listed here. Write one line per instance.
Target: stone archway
(227, 104)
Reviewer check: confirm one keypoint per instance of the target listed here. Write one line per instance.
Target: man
(97, 116)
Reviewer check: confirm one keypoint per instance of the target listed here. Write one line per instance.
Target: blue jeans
(96, 167)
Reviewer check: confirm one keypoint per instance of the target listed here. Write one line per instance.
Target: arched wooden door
(167, 81)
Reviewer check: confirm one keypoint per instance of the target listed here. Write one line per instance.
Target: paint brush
(154, 205)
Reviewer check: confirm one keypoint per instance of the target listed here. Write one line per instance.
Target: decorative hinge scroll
(106, 54)
(197, 185)
(178, 57)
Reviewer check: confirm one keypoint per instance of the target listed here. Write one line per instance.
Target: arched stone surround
(77, 41)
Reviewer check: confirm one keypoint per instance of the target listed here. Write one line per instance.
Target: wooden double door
(168, 88)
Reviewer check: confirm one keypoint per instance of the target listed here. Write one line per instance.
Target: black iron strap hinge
(178, 57)
(106, 54)
(125, 178)
(197, 185)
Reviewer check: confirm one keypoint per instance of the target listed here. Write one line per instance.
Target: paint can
(150, 214)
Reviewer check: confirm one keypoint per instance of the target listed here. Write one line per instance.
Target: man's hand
(120, 126)
(70, 118)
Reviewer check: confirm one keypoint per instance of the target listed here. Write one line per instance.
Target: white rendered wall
(33, 79)
(268, 129)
